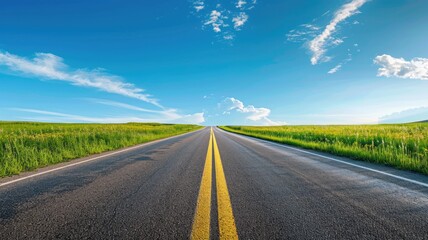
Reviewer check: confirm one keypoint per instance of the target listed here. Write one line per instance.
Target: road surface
(213, 184)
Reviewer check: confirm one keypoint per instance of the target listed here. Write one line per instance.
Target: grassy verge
(26, 146)
(404, 146)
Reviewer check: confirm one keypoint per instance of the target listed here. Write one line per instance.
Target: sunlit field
(25, 146)
(404, 146)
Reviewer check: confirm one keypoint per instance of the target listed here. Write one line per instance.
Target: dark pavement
(275, 192)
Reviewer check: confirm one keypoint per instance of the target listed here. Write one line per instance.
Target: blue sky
(214, 62)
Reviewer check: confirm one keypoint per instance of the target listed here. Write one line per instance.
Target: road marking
(94, 158)
(334, 159)
(226, 221)
(202, 219)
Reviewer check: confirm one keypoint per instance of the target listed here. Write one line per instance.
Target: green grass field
(403, 146)
(26, 146)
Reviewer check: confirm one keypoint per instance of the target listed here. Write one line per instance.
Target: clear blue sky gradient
(165, 48)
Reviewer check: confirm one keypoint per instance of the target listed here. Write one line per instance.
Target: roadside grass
(404, 146)
(26, 146)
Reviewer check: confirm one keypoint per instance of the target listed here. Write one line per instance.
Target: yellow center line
(226, 221)
(202, 218)
(201, 221)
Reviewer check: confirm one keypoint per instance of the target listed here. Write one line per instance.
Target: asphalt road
(181, 187)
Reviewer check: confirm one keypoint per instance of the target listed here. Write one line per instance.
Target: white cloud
(240, 4)
(50, 66)
(257, 115)
(340, 65)
(216, 21)
(310, 27)
(417, 68)
(335, 69)
(239, 20)
(199, 8)
(196, 118)
(318, 44)
(405, 116)
(198, 5)
(165, 115)
(127, 106)
(63, 117)
(302, 34)
(337, 41)
(224, 21)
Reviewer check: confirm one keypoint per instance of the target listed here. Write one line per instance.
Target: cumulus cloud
(196, 118)
(52, 67)
(224, 20)
(416, 68)
(240, 4)
(239, 20)
(318, 45)
(216, 20)
(257, 115)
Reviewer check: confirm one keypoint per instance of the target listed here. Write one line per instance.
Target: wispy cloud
(198, 5)
(339, 66)
(303, 33)
(51, 116)
(50, 66)
(318, 45)
(335, 69)
(258, 115)
(416, 68)
(165, 115)
(63, 117)
(407, 115)
(126, 106)
(317, 39)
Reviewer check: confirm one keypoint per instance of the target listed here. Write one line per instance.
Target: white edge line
(333, 159)
(95, 158)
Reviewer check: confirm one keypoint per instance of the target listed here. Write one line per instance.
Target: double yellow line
(202, 219)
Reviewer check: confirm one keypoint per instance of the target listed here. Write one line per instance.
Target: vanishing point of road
(218, 185)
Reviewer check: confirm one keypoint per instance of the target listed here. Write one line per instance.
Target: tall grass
(403, 146)
(25, 146)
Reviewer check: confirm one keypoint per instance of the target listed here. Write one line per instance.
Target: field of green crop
(25, 146)
(403, 146)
